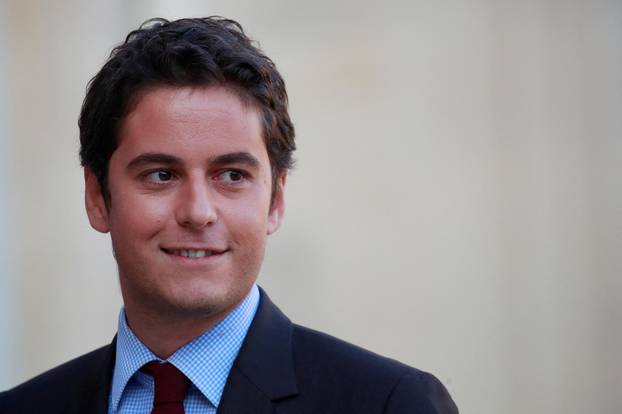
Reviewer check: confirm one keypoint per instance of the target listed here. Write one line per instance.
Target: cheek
(247, 222)
(138, 215)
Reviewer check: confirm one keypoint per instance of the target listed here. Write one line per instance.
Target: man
(186, 142)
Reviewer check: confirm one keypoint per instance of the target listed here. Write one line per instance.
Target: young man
(186, 142)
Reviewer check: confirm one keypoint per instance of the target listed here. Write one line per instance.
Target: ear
(94, 200)
(277, 209)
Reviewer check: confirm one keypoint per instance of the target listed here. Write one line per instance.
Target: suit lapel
(263, 371)
(241, 396)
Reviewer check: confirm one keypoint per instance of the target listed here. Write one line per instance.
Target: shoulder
(389, 386)
(69, 379)
(322, 351)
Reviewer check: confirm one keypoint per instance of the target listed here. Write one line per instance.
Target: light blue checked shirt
(206, 361)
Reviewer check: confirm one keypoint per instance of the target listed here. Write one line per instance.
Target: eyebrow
(236, 158)
(241, 157)
(153, 158)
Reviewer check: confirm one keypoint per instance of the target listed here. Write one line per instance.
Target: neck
(165, 335)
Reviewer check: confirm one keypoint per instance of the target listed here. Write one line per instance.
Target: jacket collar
(96, 387)
(264, 369)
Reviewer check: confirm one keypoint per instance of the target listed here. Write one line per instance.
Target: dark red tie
(170, 387)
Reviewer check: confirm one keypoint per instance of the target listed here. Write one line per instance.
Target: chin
(204, 302)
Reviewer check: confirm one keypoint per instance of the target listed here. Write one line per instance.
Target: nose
(195, 208)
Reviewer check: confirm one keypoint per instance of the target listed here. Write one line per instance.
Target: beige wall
(8, 276)
(457, 202)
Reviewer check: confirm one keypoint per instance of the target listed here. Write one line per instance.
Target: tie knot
(170, 383)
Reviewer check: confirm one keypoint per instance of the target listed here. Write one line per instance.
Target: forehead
(190, 117)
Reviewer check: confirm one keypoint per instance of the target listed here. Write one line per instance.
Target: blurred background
(456, 204)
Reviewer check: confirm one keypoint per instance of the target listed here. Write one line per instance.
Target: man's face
(190, 188)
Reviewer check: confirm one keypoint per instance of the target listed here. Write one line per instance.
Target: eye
(159, 176)
(231, 176)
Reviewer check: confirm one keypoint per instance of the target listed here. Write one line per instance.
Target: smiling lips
(193, 253)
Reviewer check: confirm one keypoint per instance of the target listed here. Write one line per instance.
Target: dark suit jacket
(281, 368)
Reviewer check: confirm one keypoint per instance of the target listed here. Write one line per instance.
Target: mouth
(193, 253)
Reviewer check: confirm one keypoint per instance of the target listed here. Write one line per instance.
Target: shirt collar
(206, 360)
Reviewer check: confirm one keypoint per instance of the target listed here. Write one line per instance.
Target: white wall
(456, 204)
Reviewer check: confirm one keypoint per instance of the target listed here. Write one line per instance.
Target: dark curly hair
(211, 51)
